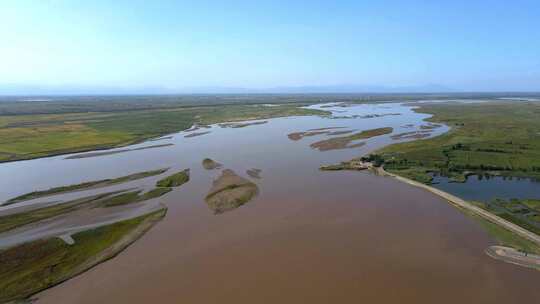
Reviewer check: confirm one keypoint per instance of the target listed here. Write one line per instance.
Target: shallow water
(309, 236)
(488, 189)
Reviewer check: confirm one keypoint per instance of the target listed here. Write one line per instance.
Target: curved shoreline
(513, 256)
(460, 203)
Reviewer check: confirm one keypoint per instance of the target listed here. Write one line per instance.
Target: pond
(486, 189)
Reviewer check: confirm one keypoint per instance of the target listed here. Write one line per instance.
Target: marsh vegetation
(33, 129)
(34, 266)
(297, 209)
(230, 191)
(175, 180)
(210, 164)
(498, 138)
(345, 142)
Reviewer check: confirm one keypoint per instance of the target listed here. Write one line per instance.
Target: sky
(177, 45)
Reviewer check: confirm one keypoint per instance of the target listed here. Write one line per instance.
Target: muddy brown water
(309, 236)
(357, 238)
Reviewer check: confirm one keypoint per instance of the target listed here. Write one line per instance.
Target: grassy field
(32, 129)
(525, 213)
(343, 142)
(175, 180)
(19, 105)
(505, 237)
(37, 135)
(34, 266)
(497, 137)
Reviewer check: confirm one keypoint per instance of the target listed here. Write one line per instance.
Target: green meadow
(26, 136)
(497, 137)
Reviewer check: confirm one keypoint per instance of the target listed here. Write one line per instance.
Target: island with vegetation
(175, 180)
(77, 124)
(345, 142)
(210, 164)
(497, 138)
(494, 138)
(34, 266)
(229, 192)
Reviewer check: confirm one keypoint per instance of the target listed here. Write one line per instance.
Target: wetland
(316, 236)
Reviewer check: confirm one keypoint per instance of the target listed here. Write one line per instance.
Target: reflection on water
(488, 188)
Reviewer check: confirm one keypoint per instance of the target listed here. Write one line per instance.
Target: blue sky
(465, 45)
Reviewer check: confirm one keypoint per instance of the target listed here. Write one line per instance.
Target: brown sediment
(254, 173)
(210, 164)
(335, 144)
(344, 142)
(299, 135)
(293, 238)
(318, 131)
(513, 256)
(505, 253)
(412, 135)
(242, 124)
(460, 203)
(195, 134)
(229, 192)
(365, 116)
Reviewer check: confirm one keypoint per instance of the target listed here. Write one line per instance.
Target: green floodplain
(31, 267)
(498, 138)
(69, 124)
(38, 129)
(343, 142)
(495, 138)
(36, 265)
(108, 199)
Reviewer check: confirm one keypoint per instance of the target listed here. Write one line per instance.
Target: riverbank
(36, 135)
(34, 266)
(512, 256)
(460, 203)
(530, 236)
(473, 145)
